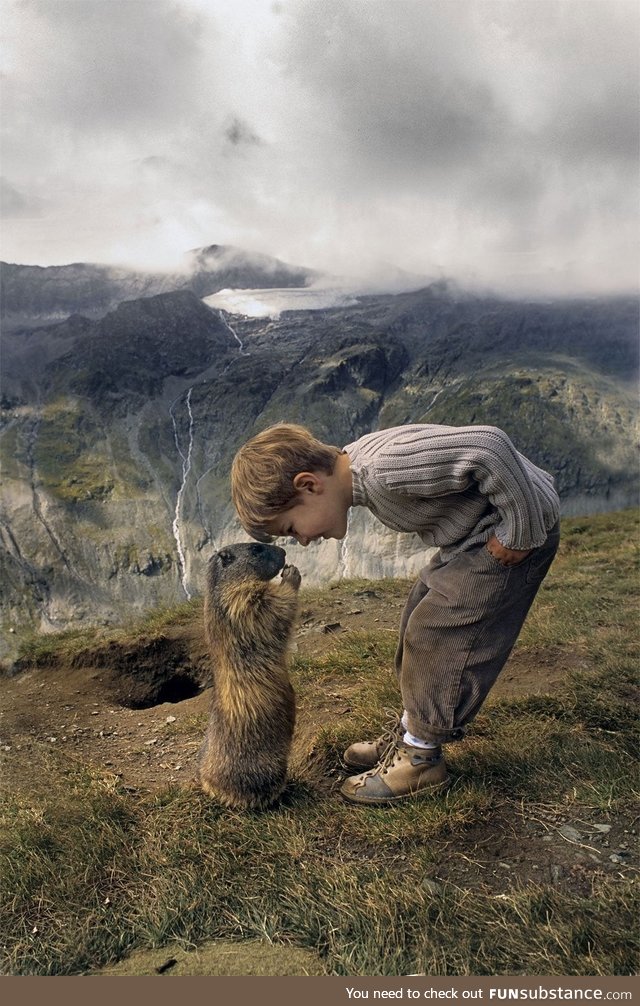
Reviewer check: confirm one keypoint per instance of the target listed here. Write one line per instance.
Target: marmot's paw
(291, 575)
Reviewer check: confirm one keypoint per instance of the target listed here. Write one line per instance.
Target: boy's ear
(307, 481)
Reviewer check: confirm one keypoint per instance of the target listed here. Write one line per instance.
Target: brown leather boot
(403, 772)
(367, 754)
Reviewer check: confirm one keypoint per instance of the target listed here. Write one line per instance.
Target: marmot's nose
(261, 550)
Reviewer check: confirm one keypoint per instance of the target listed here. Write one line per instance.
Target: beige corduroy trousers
(457, 630)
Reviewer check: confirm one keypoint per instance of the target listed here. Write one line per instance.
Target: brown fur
(249, 619)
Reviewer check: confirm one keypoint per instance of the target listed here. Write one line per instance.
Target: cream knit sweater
(454, 486)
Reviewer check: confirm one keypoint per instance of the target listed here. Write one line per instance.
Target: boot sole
(437, 787)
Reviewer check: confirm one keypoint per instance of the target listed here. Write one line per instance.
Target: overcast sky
(495, 142)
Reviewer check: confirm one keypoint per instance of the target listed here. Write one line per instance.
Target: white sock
(415, 742)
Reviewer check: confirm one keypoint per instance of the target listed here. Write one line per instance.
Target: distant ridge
(32, 295)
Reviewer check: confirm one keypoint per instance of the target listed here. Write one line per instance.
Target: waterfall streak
(234, 333)
(434, 399)
(186, 460)
(186, 468)
(344, 551)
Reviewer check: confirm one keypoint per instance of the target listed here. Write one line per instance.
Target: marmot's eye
(226, 558)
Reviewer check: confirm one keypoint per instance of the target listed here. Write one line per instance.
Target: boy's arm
(438, 460)
(506, 556)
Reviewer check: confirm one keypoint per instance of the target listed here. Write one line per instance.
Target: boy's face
(320, 510)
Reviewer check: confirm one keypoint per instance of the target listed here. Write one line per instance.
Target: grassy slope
(91, 870)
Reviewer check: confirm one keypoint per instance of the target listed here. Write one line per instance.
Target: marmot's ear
(225, 557)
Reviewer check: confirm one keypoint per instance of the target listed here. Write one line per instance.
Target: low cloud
(16, 205)
(238, 132)
(476, 140)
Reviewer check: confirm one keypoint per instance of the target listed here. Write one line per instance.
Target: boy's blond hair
(264, 468)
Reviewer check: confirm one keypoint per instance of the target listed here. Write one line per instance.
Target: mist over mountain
(36, 295)
(120, 421)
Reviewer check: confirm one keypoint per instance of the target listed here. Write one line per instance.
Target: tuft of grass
(75, 647)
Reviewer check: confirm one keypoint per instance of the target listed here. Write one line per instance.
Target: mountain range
(33, 295)
(120, 420)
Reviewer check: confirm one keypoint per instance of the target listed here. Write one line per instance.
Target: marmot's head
(237, 564)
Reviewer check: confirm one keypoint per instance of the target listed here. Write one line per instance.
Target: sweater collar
(360, 495)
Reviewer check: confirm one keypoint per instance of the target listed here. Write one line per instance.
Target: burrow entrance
(152, 671)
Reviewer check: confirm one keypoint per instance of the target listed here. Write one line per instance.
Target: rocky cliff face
(118, 432)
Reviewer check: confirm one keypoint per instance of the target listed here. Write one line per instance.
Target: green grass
(73, 460)
(75, 647)
(90, 871)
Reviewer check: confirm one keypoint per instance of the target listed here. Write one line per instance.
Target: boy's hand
(506, 556)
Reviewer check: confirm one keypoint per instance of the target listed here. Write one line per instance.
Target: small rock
(570, 833)
(170, 719)
(604, 829)
(95, 712)
(166, 966)
(615, 859)
(153, 741)
(331, 627)
(556, 873)
(431, 886)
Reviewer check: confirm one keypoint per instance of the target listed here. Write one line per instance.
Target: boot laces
(392, 739)
(391, 732)
(395, 741)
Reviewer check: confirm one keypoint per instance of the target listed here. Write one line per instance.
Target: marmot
(248, 625)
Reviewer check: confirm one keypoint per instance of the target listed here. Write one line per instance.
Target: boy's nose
(302, 540)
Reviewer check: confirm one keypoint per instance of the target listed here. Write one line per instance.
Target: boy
(494, 517)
